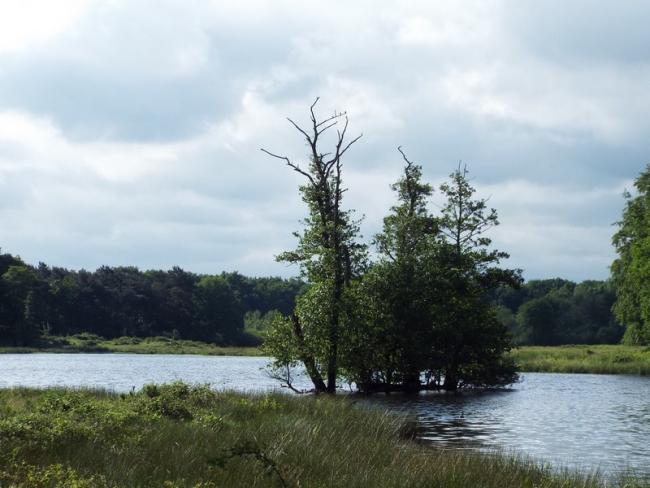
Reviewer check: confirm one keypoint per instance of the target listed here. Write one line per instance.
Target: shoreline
(90, 344)
(577, 359)
(584, 359)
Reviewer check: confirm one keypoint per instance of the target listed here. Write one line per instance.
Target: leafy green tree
(259, 322)
(116, 301)
(543, 321)
(400, 291)
(429, 319)
(329, 257)
(594, 320)
(471, 342)
(7, 302)
(557, 311)
(631, 270)
(19, 313)
(221, 318)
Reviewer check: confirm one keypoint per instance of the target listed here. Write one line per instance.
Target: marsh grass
(597, 359)
(180, 436)
(85, 343)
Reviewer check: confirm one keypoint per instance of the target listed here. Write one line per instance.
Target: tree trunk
(307, 359)
(451, 378)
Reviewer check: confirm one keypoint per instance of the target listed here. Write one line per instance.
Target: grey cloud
(159, 109)
(583, 31)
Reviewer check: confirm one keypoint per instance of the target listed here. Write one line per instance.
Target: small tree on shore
(329, 256)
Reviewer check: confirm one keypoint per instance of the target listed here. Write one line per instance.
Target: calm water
(584, 421)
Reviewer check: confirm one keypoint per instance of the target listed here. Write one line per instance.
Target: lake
(579, 421)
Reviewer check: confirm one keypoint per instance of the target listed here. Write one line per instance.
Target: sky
(130, 130)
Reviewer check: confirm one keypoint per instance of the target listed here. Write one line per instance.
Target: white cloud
(42, 146)
(26, 23)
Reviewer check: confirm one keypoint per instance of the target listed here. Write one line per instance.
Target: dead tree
(324, 248)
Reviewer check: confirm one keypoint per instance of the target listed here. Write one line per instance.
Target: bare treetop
(312, 135)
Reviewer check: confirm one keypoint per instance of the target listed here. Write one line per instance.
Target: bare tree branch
(350, 144)
(408, 162)
(292, 165)
(300, 129)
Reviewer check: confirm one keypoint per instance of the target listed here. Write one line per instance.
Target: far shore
(591, 359)
(85, 343)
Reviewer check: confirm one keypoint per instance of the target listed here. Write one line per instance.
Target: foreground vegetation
(178, 435)
(150, 345)
(598, 359)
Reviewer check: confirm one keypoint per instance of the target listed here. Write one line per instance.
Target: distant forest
(556, 311)
(124, 301)
(232, 309)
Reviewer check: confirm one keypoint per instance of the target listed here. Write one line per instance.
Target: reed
(90, 343)
(596, 359)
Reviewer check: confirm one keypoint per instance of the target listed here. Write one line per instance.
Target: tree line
(557, 311)
(124, 301)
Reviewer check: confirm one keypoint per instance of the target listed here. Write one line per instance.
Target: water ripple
(581, 421)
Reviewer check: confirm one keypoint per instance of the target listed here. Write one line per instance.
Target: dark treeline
(124, 301)
(557, 311)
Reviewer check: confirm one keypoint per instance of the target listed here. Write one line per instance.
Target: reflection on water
(585, 421)
(581, 421)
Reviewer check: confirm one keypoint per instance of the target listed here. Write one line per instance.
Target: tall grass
(182, 436)
(599, 359)
(86, 342)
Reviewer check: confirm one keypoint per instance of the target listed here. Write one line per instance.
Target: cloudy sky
(130, 130)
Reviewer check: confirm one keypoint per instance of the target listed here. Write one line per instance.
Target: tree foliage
(430, 318)
(401, 291)
(631, 270)
(473, 340)
(420, 317)
(557, 311)
(124, 301)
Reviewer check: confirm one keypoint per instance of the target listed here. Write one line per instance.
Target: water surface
(582, 421)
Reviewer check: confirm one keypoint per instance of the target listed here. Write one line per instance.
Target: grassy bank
(150, 345)
(600, 359)
(181, 436)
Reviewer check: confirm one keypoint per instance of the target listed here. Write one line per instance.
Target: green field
(151, 345)
(182, 436)
(599, 359)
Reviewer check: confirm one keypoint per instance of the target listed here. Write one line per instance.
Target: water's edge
(583, 421)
